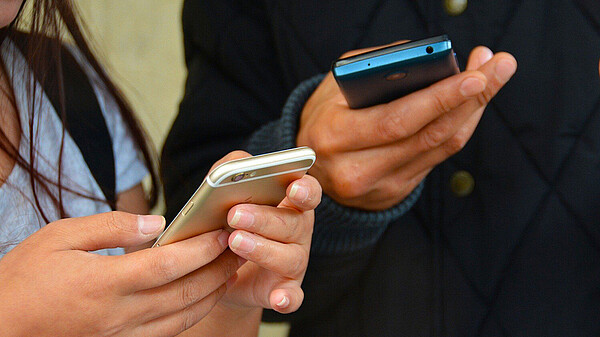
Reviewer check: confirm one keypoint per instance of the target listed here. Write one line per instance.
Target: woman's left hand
(276, 243)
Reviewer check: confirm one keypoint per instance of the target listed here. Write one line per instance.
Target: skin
(394, 146)
(54, 287)
(51, 286)
(276, 264)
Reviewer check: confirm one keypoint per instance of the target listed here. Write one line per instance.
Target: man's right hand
(373, 158)
(51, 286)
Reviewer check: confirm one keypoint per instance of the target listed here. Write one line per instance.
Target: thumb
(286, 297)
(105, 230)
(238, 154)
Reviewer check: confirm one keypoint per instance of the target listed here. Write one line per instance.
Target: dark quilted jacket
(518, 256)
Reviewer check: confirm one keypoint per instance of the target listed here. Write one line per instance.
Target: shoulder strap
(84, 119)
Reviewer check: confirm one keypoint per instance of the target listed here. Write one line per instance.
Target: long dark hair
(42, 19)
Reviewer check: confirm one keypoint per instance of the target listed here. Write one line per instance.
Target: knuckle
(165, 266)
(439, 102)
(298, 264)
(394, 125)
(190, 291)
(110, 222)
(350, 183)
(455, 144)
(304, 227)
(486, 96)
(290, 225)
(326, 142)
(188, 319)
(229, 267)
(433, 136)
(211, 248)
(110, 327)
(114, 222)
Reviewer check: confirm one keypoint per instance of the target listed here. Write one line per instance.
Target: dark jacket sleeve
(233, 100)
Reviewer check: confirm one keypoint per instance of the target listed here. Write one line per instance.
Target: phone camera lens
(429, 49)
(237, 177)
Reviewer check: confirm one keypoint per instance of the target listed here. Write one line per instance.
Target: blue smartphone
(382, 75)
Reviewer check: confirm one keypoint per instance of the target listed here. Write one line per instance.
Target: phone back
(385, 74)
(259, 180)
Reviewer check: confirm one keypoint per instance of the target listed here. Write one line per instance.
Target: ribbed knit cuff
(338, 229)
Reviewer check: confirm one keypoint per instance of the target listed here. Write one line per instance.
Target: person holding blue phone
(468, 208)
(72, 159)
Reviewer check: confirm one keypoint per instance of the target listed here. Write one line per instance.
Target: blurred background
(140, 44)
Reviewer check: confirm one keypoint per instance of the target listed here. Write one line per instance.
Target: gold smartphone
(259, 180)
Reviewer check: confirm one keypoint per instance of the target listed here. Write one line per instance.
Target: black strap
(84, 119)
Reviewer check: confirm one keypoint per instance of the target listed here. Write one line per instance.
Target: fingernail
(224, 239)
(242, 219)
(504, 70)
(299, 192)
(150, 224)
(485, 56)
(471, 86)
(243, 243)
(283, 303)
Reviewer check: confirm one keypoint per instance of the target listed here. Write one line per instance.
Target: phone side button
(188, 208)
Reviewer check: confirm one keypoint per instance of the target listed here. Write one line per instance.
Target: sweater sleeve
(338, 229)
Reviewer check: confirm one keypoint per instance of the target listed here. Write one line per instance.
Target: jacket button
(462, 183)
(455, 7)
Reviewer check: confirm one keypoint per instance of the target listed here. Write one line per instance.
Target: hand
(276, 242)
(373, 158)
(51, 286)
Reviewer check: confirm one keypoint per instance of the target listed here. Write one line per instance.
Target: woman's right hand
(50, 284)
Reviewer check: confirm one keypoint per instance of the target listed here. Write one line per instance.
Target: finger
(188, 290)
(402, 118)
(478, 57)
(442, 132)
(364, 50)
(153, 267)
(230, 156)
(498, 72)
(286, 297)
(303, 195)
(105, 230)
(175, 323)
(408, 176)
(468, 128)
(288, 260)
(362, 170)
(276, 223)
